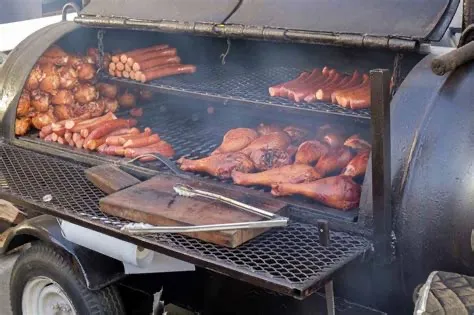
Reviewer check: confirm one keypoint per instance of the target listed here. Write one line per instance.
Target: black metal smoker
(415, 209)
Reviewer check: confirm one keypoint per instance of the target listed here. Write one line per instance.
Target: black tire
(46, 260)
(467, 13)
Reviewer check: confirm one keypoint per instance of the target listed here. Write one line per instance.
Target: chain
(224, 55)
(100, 46)
(397, 68)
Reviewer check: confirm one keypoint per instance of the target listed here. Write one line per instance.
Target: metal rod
(324, 240)
(142, 228)
(381, 164)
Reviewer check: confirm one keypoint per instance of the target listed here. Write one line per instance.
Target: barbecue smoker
(415, 209)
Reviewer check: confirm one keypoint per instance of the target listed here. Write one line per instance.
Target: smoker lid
(414, 19)
(214, 11)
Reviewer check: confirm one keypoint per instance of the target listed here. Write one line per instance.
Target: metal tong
(274, 220)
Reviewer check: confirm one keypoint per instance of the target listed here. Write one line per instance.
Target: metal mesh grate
(243, 84)
(285, 259)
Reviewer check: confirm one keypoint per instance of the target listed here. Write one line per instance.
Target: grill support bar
(381, 163)
(323, 227)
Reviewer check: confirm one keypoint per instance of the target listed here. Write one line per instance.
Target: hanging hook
(224, 55)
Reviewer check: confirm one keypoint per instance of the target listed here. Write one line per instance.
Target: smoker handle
(450, 61)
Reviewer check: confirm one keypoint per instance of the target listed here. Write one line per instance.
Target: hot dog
(120, 66)
(112, 66)
(94, 143)
(79, 143)
(309, 95)
(344, 98)
(315, 74)
(91, 122)
(142, 141)
(325, 95)
(167, 52)
(108, 127)
(156, 73)
(125, 56)
(336, 93)
(54, 137)
(151, 63)
(315, 79)
(102, 148)
(76, 137)
(275, 90)
(121, 139)
(126, 74)
(361, 98)
(161, 147)
(114, 150)
(124, 131)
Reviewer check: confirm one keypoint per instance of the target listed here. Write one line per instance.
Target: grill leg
(329, 292)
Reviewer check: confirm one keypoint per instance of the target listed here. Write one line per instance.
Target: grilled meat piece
(63, 97)
(235, 140)
(96, 109)
(43, 119)
(296, 134)
(23, 107)
(339, 192)
(219, 165)
(62, 112)
(333, 161)
(357, 165)
(309, 152)
(265, 159)
(357, 143)
(296, 173)
(276, 140)
(34, 79)
(40, 101)
(86, 71)
(334, 140)
(51, 82)
(110, 105)
(22, 125)
(263, 129)
(329, 129)
(85, 93)
(68, 77)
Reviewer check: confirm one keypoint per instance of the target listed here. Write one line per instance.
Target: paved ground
(6, 264)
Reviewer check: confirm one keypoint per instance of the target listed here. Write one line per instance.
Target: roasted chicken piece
(276, 140)
(310, 151)
(358, 165)
(296, 173)
(63, 97)
(85, 93)
(357, 143)
(40, 101)
(50, 84)
(43, 119)
(333, 161)
(22, 125)
(74, 61)
(263, 129)
(296, 134)
(110, 105)
(55, 51)
(235, 140)
(339, 192)
(96, 109)
(219, 165)
(34, 79)
(68, 78)
(127, 100)
(107, 90)
(329, 129)
(23, 107)
(265, 159)
(63, 112)
(334, 140)
(86, 71)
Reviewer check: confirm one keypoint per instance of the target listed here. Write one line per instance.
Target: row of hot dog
(327, 85)
(146, 64)
(107, 134)
(291, 160)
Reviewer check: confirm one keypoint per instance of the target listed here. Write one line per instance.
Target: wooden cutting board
(155, 202)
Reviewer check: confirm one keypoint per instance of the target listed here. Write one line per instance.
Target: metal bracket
(381, 163)
(66, 7)
(324, 240)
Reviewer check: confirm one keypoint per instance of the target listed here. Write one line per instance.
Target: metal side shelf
(290, 261)
(240, 84)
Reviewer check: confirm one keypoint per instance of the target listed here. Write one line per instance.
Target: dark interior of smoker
(237, 90)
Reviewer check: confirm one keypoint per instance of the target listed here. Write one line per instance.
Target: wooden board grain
(155, 202)
(110, 178)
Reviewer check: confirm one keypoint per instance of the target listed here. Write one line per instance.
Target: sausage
(45, 131)
(120, 66)
(128, 68)
(118, 73)
(124, 131)
(115, 58)
(147, 64)
(132, 75)
(142, 141)
(108, 127)
(112, 66)
(91, 122)
(275, 90)
(156, 73)
(167, 52)
(76, 137)
(287, 87)
(139, 51)
(136, 112)
(80, 143)
(325, 95)
(344, 98)
(48, 138)
(68, 124)
(68, 136)
(316, 78)
(126, 74)
(102, 148)
(301, 94)
(61, 140)
(121, 139)
(112, 72)
(161, 147)
(94, 144)
(114, 150)
(361, 98)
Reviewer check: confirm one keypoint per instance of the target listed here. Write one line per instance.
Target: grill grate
(289, 260)
(244, 84)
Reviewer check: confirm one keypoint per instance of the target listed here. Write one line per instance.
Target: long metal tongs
(274, 220)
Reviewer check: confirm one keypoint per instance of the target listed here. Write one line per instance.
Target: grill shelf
(289, 261)
(240, 84)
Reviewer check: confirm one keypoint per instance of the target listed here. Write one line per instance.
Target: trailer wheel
(45, 280)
